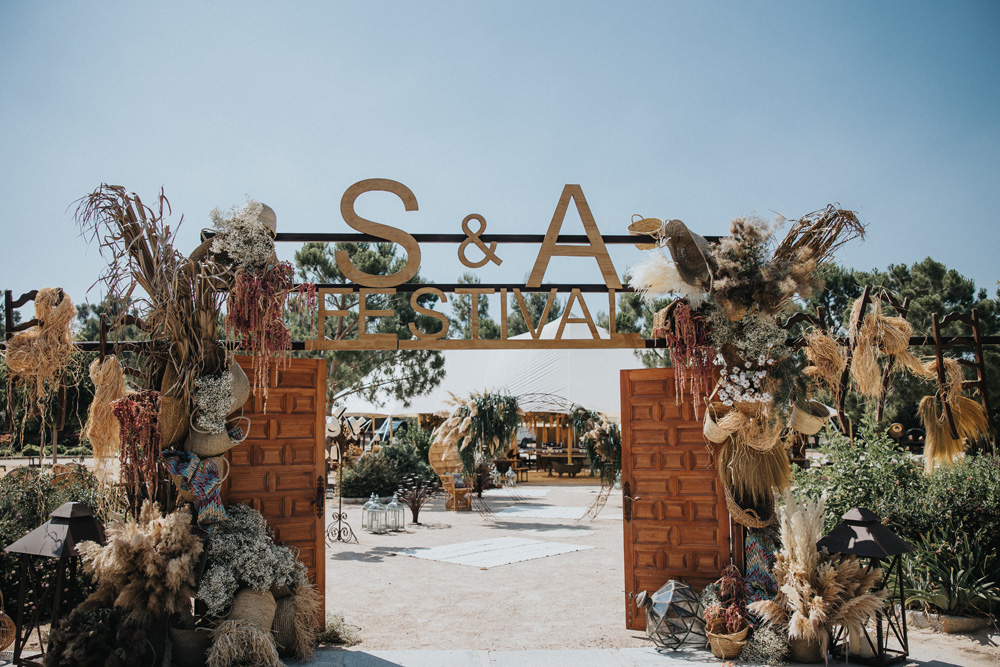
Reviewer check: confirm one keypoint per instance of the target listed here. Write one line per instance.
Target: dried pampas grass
(102, 428)
(238, 643)
(39, 355)
(657, 276)
(147, 568)
(826, 360)
(816, 236)
(940, 448)
(816, 591)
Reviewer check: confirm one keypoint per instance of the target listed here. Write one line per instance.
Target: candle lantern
(861, 534)
(42, 599)
(396, 514)
(364, 511)
(377, 518)
(673, 616)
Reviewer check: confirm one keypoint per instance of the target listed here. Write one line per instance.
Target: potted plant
(726, 623)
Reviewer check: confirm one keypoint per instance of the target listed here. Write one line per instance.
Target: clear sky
(700, 111)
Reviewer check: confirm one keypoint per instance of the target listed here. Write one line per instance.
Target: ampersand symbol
(489, 253)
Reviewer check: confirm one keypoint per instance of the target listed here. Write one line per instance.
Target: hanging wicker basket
(241, 386)
(206, 444)
(7, 628)
(729, 646)
(809, 418)
(711, 429)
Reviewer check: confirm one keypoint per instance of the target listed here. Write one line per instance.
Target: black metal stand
(339, 530)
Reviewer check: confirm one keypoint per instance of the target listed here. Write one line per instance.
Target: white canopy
(543, 379)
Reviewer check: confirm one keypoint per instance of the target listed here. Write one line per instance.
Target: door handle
(320, 495)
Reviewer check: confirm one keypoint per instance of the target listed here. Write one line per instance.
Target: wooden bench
(522, 471)
(570, 469)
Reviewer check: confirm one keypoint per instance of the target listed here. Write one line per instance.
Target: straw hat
(690, 252)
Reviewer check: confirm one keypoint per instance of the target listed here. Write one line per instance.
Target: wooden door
(280, 468)
(675, 521)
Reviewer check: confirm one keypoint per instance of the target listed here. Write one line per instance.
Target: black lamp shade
(862, 534)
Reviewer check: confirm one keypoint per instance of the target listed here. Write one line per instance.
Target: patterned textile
(760, 550)
(201, 478)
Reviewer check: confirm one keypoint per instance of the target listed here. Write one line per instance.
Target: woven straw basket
(254, 606)
(206, 444)
(727, 647)
(241, 386)
(810, 420)
(284, 624)
(7, 628)
(711, 429)
(190, 646)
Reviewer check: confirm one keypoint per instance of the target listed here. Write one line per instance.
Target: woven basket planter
(729, 646)
(241, 386)
(206, 444)
(810, 418)
(254, 606)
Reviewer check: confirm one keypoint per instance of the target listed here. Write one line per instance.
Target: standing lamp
(861, 534)
(673, 616)
(39, 602)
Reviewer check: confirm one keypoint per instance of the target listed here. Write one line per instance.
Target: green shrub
(383, 472)
(951, 517)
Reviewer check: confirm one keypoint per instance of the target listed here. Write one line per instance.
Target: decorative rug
(541, 512)
(516, 493)
(493, 552)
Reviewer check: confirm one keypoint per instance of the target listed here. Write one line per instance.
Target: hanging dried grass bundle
(137, 416)
(879, 336)
(940, 448)
(102, 428)
(952, 389)
(752, 474)
(815, 591)
(147, 567)
(39, 355)
(237, 643)
(826, 360)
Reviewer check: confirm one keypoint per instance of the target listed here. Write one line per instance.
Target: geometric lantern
(57, 538)
(862, 534)
(673, 616)
(395, 515)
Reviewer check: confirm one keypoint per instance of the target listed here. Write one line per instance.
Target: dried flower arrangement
(241, 553)
(602, 439)
(243, 238)
(138, 419)
(816, 591)
(726, 621)
(477, 432)
(212, 399)
(762, 380)
(147, 568)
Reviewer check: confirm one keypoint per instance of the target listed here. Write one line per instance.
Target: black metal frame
(46, 605)
(890, 623)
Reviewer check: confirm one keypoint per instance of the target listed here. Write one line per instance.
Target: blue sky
(700, 111)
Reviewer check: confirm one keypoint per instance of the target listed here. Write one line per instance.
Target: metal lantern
(511, 477)
(396, 514)
(377, 518)
(364, 511)
(673, 616)
(862, 534)
(57, 538)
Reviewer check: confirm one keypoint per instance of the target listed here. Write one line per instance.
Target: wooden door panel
(677, 527)
(280, 468)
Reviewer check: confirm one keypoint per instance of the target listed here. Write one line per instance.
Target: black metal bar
(591, 288)
(348, 237)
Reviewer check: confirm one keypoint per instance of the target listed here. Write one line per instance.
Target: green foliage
(383, 472)
(28, 496)
(399, 373)
(952, 517)
(956, 574)
(491, 430)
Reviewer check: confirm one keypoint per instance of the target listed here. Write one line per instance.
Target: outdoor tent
(550, 380)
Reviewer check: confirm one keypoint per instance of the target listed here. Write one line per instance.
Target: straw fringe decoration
(826, 359)
(102, 428)
(753, 473)
(879, 335)
(308, 603)
(940, 448)
(239, 642)
(40, 354)
(953, 371)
